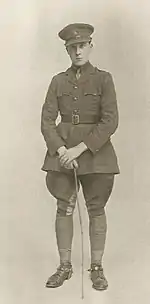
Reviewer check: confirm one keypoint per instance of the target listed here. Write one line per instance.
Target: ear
(67, 49)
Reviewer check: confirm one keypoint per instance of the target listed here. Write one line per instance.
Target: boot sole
(100, 288)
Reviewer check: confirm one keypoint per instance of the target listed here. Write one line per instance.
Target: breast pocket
(92, 100)
(64, 102)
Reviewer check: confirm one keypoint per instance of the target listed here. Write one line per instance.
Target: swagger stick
(81, 226)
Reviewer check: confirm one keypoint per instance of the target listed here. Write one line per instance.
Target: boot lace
(60, 271)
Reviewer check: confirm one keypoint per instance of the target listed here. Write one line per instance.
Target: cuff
(91, 143)
(52, 149)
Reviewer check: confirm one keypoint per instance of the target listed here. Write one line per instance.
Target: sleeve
(102, 132)
(48, 118)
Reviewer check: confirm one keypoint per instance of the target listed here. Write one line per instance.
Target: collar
(87, 67)
(86, 70)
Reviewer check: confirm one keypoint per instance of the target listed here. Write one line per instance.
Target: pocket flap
(64, 93)
(92, 93)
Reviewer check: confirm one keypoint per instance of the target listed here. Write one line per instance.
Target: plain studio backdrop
(31, 53)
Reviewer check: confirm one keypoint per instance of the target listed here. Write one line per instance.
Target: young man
(86, 100)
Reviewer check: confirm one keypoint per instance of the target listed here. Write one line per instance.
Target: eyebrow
(74, 45)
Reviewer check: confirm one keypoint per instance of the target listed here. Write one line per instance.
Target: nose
(78, 50)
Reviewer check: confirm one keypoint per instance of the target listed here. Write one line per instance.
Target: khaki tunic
(92, 94)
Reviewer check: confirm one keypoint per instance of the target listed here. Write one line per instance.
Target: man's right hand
(71, 165)
(61, 151)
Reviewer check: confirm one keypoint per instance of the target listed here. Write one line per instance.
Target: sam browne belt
(76, 118)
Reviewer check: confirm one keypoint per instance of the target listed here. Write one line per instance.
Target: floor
(29, 255)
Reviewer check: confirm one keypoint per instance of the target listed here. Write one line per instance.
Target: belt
(76, 119)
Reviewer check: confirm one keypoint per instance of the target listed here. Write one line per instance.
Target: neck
(81, 67)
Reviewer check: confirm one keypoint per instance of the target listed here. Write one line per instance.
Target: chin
(79, 63)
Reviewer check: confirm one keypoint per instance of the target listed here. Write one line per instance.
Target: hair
(90, 42)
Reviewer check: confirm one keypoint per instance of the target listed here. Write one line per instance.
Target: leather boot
(64, 272)
(97, 277)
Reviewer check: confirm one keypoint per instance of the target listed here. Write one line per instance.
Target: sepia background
(31, 53)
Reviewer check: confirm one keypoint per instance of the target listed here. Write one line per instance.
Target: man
(86, 100)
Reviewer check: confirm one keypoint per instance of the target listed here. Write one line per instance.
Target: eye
(72, 47)
(82, 45)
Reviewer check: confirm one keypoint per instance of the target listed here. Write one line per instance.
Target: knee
(95, 208)
(65, 208)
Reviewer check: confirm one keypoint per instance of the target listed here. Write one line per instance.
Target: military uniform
(89, 114)
(92, 97)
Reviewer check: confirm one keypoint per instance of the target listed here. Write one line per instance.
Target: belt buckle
(75, 119)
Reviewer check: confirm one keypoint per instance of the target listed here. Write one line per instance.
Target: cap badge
(77, 35)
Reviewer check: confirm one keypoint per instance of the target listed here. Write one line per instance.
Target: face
(79, 53)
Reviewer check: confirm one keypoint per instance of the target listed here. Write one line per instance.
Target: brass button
(75, 98)
(75, 87)
(76, 111)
